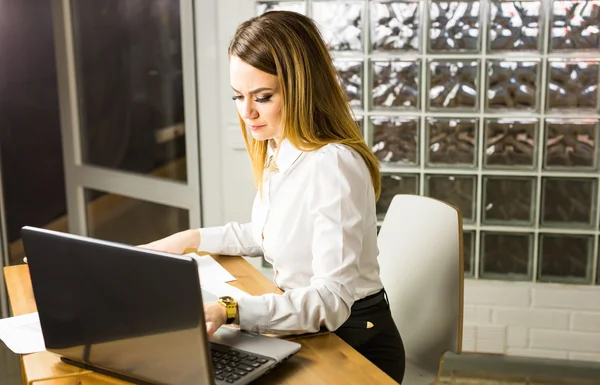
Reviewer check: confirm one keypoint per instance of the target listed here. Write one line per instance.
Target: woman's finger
(210, 328)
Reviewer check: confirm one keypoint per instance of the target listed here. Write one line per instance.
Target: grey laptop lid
(119, 308)
(132, 313)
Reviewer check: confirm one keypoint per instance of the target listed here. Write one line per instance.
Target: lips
(255, 128)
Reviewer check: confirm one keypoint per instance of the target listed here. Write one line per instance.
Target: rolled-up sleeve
(337, 200)
(232, 239)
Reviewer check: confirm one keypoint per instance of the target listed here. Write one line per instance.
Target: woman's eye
(263, 100)
(236, 97)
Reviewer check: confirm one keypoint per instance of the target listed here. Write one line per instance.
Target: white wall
(512, 318)
(536, 320)
(236, 181)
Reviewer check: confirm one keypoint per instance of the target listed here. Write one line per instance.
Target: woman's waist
(288, 279)
(369, 300)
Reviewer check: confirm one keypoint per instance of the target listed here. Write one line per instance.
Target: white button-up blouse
(316, 224)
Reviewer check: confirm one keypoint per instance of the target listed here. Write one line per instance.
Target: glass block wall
(489, 105)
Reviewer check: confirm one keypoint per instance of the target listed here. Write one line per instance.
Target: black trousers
(381, 344)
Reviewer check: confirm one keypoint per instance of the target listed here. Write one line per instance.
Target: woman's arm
(232, 239)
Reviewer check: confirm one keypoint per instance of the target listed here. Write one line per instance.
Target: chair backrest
(420, 255)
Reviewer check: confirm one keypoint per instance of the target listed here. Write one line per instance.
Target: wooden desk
(324, 359)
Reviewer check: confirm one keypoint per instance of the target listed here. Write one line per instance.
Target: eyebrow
(256, 91)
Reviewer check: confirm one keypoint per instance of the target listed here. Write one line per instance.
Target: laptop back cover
(120, 308)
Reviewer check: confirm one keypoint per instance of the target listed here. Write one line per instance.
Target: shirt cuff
(211, 239)
(254, 314)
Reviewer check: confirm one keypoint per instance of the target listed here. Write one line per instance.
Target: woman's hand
(215, 316)
(176, 243)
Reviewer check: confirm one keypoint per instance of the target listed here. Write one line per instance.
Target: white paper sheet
(210, 270)
(23, 334)
(222, 289)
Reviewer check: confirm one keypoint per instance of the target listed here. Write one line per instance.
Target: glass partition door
(130, 116)
(136, 82)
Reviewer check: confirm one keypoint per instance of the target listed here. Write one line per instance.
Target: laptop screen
(115, 307)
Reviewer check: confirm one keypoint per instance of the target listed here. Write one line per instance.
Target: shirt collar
(288, 154)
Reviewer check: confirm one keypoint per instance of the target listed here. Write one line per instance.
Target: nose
(247, 110)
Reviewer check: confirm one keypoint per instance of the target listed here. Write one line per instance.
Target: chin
(259, 136)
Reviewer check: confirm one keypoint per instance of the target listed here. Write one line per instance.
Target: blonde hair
(315, 109)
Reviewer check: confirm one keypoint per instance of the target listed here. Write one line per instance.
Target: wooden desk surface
(324, 359)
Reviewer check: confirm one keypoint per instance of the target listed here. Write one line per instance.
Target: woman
(313, 217)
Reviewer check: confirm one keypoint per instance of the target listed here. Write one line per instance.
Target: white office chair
(420, 246)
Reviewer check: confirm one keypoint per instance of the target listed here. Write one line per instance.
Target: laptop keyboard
(231, 365)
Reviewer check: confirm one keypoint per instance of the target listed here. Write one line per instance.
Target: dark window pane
(293, 6)
(395, 25)
(118, 218)
(360, 124)
(454, 26)
(350, 73)
(508, 200)
(453, 85)
(506, 256)
(515, 25)
(396, 84)
(456, 190)
(395, 139)
(568, 202)
(33, 180)
(452, 142)
(391, 185)
(130, 80)
(512, 85)
(565, 258)
(510, 144)
(468, 252)
(573, 85)
(340, 23)
(598, 273)
(575, 25)
(571, 143)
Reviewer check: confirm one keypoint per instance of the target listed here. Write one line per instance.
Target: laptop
(137, 314)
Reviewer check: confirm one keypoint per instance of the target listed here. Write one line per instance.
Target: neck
(275, 142)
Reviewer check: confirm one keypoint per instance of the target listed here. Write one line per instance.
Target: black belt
(363, 303)
(370, 300)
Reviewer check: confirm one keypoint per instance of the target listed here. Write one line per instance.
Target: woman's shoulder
(339, 155)
(333, 150)
(336, 162)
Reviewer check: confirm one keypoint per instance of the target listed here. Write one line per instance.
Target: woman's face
(257, 98)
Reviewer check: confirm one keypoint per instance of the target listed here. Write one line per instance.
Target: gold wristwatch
(230, 308)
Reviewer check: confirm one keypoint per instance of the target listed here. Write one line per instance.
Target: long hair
(315, 109)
